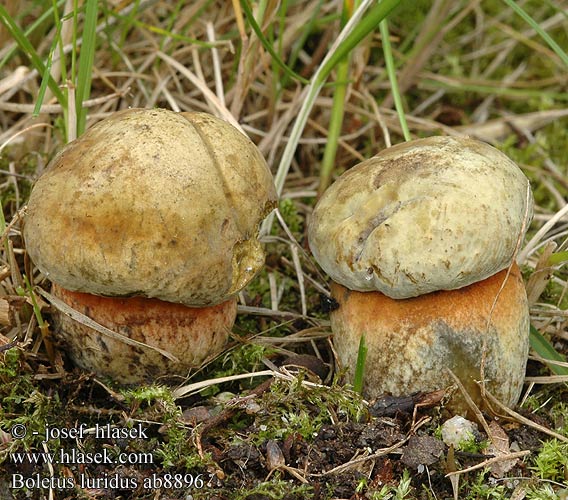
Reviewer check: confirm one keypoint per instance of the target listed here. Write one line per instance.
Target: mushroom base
(190, 334)
(412, 343)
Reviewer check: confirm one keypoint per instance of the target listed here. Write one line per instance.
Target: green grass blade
(45, 77)
(389, 62)
(44, 82)
(28, 31)
(360, 366)
(27, 48)
(367, 24)
(299, 45)
(535, 26)
(334, 129)
(545, 350)
(85, 70)
(311, 92)
(267, 45)
(29, 292)
(337, 110)
(558, 258)
(170, 34)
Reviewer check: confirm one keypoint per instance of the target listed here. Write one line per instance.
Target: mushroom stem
(411, 342)
(191, 334)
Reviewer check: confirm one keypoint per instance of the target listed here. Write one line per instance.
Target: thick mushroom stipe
(413, 342)
(190, 334)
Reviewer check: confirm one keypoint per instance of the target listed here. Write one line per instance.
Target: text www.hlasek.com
(74, 456)
(77, 456)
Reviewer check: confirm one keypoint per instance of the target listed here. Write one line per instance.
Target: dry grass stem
(490, 461)
(88, 322)
(523, 420)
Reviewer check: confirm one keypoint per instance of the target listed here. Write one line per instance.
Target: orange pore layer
(468, 306)
(412, 343)
(190, 334)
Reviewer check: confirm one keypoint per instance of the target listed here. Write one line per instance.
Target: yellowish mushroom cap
(152, 203)
(431, 214)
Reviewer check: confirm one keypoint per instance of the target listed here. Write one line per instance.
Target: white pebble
(456, 430)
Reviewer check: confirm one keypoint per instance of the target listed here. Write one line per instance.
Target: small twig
(472, 405)
(23, 131)
(524, 420)
(490, 461)
(216, 64)
(53, 108)
(379, 453)
(90, 323)
(300, 274)
(226, 415)
(263, 311)
(8, 346)
(205, 90)
(533, 243)
(197, 386)
(526, 220)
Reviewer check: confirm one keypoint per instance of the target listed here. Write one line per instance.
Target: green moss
(277, 488)
(291, 216)
(552, 461)
(22, 404)
(174, 448)
(482, 488)
(403, 490)
(290, 408)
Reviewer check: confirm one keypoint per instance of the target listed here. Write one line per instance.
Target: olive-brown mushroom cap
(412, 343)
(152, 203)
(431, 214)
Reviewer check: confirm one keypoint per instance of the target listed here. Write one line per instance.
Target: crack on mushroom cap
(145, 209)
(385, 213)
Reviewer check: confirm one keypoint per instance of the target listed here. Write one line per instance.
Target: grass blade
(45, 77)
(545, 350)
(30, 29)
(85, 71)
(351, 35)
(558, 258)
(389, 62)
(360, 366)
(267, 45)
(543, 34)
(27, 48)
(337, 110)
(364, 25)
(347, 40)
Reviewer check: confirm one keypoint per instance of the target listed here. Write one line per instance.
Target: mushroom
(420, 242)
(148, 225)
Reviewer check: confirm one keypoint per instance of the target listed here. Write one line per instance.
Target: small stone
(274, 456)
(422, 451)
(458, 430)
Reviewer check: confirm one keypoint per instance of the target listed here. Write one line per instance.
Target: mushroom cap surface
(152, 203)
(411, 343)
(430, 214)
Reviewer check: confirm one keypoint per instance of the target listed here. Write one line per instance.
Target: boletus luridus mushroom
(148, 224)
(420, 243)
